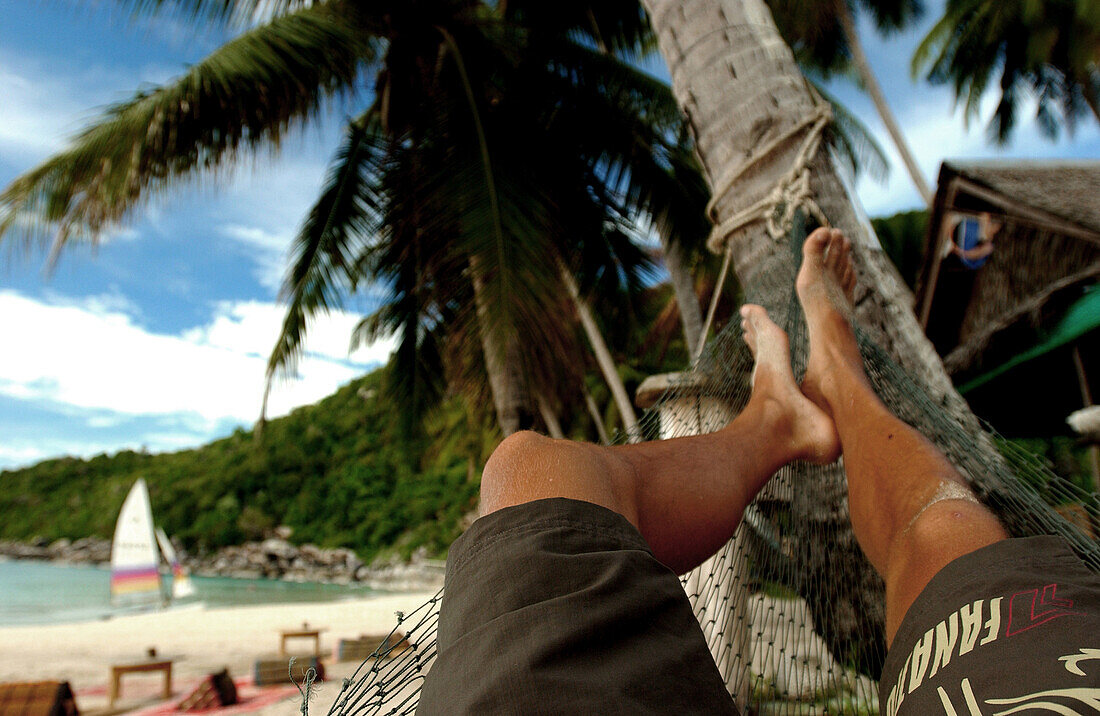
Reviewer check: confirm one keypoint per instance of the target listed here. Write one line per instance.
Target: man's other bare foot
(825, 285)
(810, 433)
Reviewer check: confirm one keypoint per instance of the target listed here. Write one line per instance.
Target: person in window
(973, 237)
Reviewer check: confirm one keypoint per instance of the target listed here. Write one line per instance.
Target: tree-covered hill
(339, 473)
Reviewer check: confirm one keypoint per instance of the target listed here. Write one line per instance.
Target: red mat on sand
(252, 698)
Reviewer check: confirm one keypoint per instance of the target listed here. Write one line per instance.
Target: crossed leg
(684, 495)
(911, 510)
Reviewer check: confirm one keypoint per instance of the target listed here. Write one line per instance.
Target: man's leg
(911, 510)
(685, 495)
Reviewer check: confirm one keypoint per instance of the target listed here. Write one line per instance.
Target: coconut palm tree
(481, 119)
(755, 120)
(1046, 50)
(824, 37)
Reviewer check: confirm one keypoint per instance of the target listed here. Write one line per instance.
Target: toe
(814, 247)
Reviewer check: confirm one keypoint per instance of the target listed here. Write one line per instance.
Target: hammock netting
(792, 611)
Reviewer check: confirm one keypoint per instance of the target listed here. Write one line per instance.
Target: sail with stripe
(182, 585)
(135, 579)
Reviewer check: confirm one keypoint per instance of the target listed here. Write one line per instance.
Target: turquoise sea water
(42, 593)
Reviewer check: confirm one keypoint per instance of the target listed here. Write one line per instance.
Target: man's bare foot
(825, 284)
(810, 432)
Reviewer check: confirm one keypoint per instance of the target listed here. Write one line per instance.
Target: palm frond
(1044, 50)
(617, 26)
(325, 254)
(600, 75)
(853, 142)
(245, 95)
(234, 12)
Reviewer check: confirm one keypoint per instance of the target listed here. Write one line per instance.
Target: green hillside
(338, 472)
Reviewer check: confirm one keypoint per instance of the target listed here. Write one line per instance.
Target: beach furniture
(216, 690)
(303, 632)
(277, 670)
(151, 663)
(381, 646)
(38, 698)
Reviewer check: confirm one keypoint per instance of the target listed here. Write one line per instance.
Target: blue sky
(158, 338)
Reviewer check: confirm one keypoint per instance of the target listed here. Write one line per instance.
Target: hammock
(792, 611)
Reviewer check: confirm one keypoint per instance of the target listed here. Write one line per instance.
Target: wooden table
(154, 664)
(300, 633)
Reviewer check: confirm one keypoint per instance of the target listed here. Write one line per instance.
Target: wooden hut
(1018, 325)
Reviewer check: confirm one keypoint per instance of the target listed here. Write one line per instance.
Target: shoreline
(274, 558)
(204, 640)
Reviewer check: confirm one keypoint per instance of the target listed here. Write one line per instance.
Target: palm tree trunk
(550, 418)
(870, 83)
(501, 357)
(749, 107)
(594, 411)
(603, 358)
(691, 318)
(741, 89)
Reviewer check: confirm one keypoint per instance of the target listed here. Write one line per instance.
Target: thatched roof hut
(1042, 255)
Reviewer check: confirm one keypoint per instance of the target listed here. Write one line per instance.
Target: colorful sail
(134, 557)
(181, 580)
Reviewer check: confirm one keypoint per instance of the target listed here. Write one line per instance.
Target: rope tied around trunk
(778, 209)
(791, 193)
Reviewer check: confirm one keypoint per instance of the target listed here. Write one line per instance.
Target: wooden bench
(384, 646)
(304, 632)
(153, 664)
(270, 671)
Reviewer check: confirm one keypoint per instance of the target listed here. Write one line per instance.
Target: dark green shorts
(559, 607)
(1013, 627)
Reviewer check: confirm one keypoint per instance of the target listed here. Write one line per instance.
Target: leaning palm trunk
(755, 120)
(501, 356)
(740, 86)
(603, 358)
(683, 285)
(870, 83)
(550, 418)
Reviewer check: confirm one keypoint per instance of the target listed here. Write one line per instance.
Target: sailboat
(135, 557)
(181, 580)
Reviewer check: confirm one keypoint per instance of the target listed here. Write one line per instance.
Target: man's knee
(942, 532)
(515, 464)
(527, 466)
(951, 527)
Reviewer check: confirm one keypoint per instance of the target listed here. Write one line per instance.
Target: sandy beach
(204, 641)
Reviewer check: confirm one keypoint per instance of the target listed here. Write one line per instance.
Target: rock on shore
(273, 558)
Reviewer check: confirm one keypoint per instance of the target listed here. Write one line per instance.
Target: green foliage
(815, 31)
(1047, 52)
(902, 237)
(1061, 455)
(340, 473)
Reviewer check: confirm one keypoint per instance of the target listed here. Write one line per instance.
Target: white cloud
(92, 357)
(112, 305)
(267, 250)
(250, 328)
(44, 104)
(21, 452)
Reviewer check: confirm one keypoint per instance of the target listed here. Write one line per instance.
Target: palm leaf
(1050, 51)
(852, 140)
(232, 11)
(618, 26)
(325, 254)
(245, 95)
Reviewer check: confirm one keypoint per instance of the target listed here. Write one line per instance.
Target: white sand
(204, 640)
